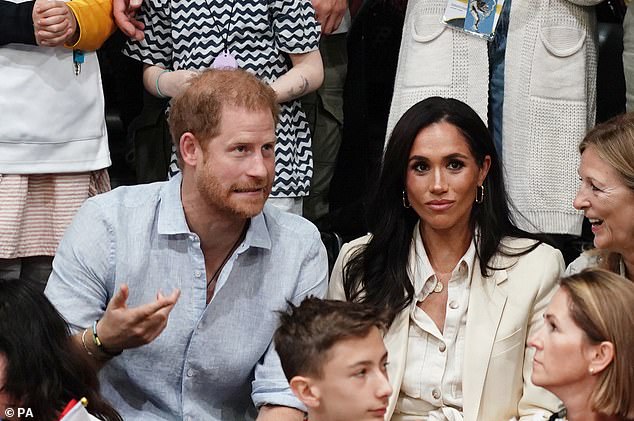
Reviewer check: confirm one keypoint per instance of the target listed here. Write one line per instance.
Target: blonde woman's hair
(613, 141)
(601, 304)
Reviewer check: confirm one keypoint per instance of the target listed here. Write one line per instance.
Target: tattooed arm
(305, 76)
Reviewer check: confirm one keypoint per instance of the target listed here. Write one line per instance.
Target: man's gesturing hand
(122, 327)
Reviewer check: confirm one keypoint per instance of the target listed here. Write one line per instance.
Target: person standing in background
(324, 107)
(277, 41)
(53, 141)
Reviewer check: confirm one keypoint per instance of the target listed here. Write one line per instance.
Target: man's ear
(189, 144)
(602, 356)
(306, 391)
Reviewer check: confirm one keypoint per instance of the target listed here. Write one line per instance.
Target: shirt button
(190, 373)
(453, 304)
(197, 274)
(442, 347)
(435, 394)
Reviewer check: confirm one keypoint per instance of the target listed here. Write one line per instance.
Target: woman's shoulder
(584, 261)
(355, 244)
(335, 286)
(543, 258)
(510, 246)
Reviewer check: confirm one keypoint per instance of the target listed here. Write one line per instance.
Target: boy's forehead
(352, 351)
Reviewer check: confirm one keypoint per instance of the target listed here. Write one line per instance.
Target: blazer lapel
(486, 304)
(397, 337)
(396, 344)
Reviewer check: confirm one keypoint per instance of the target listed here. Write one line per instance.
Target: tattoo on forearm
(300, 90)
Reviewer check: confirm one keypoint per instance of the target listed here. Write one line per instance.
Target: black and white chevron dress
(189, 34)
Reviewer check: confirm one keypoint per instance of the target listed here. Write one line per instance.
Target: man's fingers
(337, 21)
(147, 310)
(119, 299)
(328, 26)
(176, 293)
(129, 26)
(123, 22)
(123, 12)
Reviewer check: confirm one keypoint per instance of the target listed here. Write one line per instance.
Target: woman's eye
(551, 327)
(455, 165)
(594, 188)
(420, 167)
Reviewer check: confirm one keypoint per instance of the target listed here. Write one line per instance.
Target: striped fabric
(189, 34)
(36, 209)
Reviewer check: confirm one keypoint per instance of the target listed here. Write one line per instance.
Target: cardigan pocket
(429, 52)
(559, 64)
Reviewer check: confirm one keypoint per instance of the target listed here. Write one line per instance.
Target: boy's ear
(306, 391)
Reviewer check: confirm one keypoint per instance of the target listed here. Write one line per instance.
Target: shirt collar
(421, 268)
(171, 217)
(258, 233)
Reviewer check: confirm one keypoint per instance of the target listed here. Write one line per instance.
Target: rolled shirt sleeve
(81, 282)
(270, 385)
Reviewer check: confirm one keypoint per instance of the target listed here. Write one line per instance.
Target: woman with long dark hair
(40, 368)
(464, 285)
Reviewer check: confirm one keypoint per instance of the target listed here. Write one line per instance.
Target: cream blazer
(504, 310)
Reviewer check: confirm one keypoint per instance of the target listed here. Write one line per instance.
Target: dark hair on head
(44, 367)
(377, 272)
(307, 332)
(600, 303)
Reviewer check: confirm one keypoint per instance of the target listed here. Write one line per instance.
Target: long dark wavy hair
(44, 367)
(377, 272)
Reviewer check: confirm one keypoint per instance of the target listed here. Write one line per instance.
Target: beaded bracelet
(158, 90)
(98, 344)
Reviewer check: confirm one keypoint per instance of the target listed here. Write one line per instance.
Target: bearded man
(202, 250)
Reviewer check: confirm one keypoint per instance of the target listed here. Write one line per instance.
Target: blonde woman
(606, 195)
(585, 350)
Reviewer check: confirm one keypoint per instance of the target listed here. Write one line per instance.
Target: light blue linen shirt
(212, 362)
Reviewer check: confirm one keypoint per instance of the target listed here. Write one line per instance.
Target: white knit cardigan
(549, 94)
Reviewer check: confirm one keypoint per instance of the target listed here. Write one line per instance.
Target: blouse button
(442, 347)
(435, 394)
(453, 304)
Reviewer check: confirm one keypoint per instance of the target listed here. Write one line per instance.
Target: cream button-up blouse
(432, 382)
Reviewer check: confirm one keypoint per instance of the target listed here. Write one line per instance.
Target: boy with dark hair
(333, 356)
